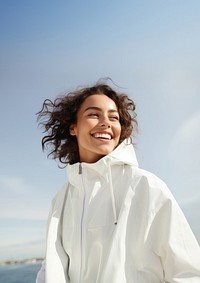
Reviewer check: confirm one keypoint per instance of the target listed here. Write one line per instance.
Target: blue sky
(150, 48)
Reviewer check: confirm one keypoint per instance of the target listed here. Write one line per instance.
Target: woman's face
(97, 129)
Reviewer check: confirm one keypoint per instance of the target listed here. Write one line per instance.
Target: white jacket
(116, 223)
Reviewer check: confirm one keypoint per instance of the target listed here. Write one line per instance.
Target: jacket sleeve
(175, 243)
(41, 274)
(59, 198)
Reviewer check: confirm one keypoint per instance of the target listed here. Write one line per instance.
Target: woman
(113, 222)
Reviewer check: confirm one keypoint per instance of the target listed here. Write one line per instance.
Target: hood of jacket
(124, 153)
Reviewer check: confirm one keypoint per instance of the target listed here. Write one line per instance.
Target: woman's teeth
(102, 135)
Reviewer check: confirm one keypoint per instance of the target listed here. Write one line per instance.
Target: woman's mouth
(105, 136)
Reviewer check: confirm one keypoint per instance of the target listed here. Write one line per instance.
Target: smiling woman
(112, 221)
(66, 118)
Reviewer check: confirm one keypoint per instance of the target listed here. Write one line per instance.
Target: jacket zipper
(82, 216)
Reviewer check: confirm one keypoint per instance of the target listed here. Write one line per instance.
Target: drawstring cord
(112, 193)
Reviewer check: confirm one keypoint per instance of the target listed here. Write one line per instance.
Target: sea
(19, 273)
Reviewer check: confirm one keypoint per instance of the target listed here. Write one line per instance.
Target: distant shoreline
(24, 261)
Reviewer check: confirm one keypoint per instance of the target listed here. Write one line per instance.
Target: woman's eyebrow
(99, 109)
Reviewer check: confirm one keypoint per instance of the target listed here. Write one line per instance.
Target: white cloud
(23, 208)
(13, 184)
(23, 250)
(180, 83)
(184, 156)
(19, 200)
(189, 133)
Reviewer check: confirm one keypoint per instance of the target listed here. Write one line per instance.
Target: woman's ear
(72, 130)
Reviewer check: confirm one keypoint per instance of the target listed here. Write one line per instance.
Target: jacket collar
(123, 154)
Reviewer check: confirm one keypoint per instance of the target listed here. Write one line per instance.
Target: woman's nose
(105, 122)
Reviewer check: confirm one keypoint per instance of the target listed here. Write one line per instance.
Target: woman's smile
(102, 136)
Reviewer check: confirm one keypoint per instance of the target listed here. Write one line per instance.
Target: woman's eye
(114, 118)
(93, 115)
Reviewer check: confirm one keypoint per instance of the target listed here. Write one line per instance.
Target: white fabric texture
(116, 223)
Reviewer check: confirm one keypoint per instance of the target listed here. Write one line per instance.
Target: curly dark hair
(57, 116)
